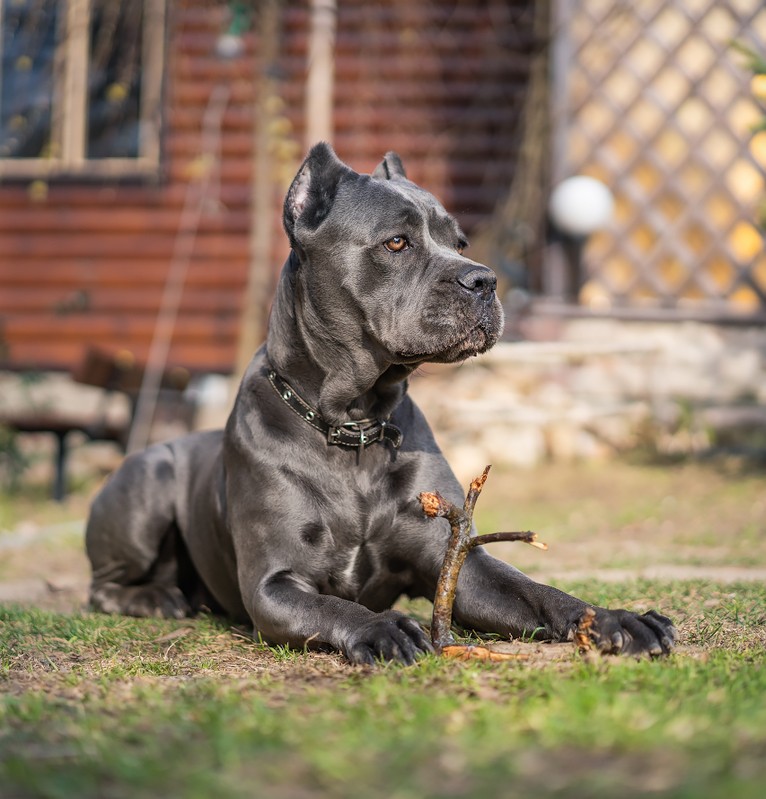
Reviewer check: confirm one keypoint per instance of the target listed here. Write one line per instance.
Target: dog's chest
(360, 544)
(358, 553)
(352, 567)
(348, 546)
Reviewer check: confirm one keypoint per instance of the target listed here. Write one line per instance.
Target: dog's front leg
(495, 597)
(287, 610)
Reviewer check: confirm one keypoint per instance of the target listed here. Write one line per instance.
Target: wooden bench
(113, 372)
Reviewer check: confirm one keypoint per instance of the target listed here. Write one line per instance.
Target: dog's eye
(396, 244)
(460, 249)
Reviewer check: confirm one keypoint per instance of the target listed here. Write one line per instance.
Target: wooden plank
(71, 273)
(98, 196)
(408, 64)
(234, 144)
(360, 13)
(83, 301)
(52, 221)
(237, 118)
(130, 327)
(61, 355)
(204, 17)
(413, 135)
(101, 245)
(233, 172)
(197, 93)
(456, 95)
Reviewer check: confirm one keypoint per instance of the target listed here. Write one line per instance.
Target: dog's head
(382, 261)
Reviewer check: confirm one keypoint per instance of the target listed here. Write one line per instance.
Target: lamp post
(578, 207)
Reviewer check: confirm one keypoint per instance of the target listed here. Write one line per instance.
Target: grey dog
(301, 517)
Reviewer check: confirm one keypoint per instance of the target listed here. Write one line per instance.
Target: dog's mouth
(478, 340)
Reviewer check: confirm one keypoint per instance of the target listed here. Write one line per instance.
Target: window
(80, 87)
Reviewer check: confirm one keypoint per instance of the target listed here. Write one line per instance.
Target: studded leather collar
(356, 434)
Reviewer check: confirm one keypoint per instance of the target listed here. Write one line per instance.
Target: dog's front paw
(388, 636)
(615, 632)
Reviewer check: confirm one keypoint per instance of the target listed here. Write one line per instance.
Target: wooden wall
(84, 263)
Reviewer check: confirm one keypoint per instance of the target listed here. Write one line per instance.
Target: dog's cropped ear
(390, 165)
(313, 189)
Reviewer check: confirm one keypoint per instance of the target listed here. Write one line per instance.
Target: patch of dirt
(45, 565)
(65, 593)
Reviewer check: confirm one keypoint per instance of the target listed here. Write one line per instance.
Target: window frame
(69, 110)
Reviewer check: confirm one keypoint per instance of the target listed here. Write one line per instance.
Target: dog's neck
(309, 354)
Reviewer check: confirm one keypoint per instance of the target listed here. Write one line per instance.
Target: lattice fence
(652, 99)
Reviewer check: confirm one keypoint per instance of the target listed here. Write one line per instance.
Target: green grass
(111, 707)
(97, 706)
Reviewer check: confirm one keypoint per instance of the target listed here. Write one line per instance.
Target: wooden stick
(461, 542)
(527, 537)
(460, 652)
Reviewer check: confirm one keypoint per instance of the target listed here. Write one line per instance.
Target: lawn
(96, 706)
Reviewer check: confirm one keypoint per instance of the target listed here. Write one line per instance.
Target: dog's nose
(478, 280)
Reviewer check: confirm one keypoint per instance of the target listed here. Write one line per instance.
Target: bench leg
(59, 484)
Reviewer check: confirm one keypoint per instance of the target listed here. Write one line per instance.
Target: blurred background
(606, 158)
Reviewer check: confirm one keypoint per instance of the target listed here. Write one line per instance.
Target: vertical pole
(74, 134)
(153, 58)
(561, 55)
(321, 72)
(252, 326)
(59, 481)
(557, 281)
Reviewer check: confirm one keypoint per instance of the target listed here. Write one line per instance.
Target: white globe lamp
(579, 206)
(229, 46)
